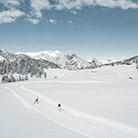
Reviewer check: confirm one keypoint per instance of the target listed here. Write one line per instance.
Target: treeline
(11, 78)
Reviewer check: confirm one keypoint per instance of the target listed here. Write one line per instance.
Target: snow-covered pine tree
(45, 75)
(137, 66)
(26, 77)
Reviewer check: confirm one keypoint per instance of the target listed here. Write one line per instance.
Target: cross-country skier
(36, 100)
(59, 107)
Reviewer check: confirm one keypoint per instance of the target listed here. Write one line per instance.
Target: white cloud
(74, 12)
(10, 16)
(124, 4)
(10, 3)
(13, 2)
(34, 21)
(68, 4)
(73, 5)
(39, 5)
(78, 4)
(53, 21)
(68, 21)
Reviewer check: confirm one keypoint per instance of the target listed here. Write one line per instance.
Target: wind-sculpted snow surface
(83, 123)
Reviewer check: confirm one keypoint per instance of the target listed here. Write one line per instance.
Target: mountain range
(35, 62)
(65, 60)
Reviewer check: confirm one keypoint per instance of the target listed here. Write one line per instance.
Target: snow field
(102, 104)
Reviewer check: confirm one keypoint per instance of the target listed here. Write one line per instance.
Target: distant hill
(128, 61)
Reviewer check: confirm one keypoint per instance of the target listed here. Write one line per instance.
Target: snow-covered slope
(66, 60)
(98, 103)
(22, 64)
(127, 61)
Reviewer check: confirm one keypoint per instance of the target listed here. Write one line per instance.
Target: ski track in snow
(88, 125)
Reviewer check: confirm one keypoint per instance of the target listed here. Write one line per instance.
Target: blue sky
(90, 28)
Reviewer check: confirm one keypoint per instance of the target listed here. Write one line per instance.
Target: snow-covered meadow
(98, 103)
